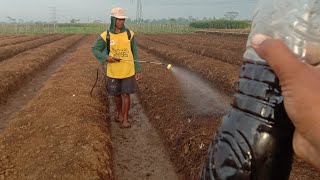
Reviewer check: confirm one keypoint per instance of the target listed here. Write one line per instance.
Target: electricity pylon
(139, 15)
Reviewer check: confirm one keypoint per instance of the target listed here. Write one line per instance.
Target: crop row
(12, 50)
(9, 36)
(212, 51)
(21, 39)
(62, 133)
(15, 71)
(186, 134)
(211, 69)
(231, 43)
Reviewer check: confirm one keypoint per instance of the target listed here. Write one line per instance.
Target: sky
(90, 10)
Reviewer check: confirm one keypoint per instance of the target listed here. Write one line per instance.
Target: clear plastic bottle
(254, 140)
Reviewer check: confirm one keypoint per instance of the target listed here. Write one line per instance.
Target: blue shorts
(119, 86)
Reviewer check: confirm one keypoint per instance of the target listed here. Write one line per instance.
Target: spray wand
(151, 62)
(118, 59)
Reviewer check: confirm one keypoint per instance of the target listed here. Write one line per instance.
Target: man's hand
(300, 84)
(138, 76)
(110, 60)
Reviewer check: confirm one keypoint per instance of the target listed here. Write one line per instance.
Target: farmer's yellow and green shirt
(120, 47)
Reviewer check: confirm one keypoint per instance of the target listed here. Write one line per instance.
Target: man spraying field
(120, 43)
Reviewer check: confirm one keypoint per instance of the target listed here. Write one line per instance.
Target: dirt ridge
(23, 39)
(14, 71)
(62, 132)
(213, 70)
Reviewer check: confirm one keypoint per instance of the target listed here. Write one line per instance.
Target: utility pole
(53, 14)
(139, 15)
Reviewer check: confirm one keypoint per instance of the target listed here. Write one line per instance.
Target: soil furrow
(23, 39)
(62, 132)
(186, 131)
(213, 70)
(30, 88)
(5, 35)
(7, 52)
(139, 152)
(162, 101)
(14, 72)
(10, 36)
(224, 32)
(218, 41)
(228, 56)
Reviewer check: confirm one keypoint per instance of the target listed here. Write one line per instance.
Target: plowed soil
(52, 128)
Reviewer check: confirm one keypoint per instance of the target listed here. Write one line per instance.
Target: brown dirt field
(186, 133)
(172, 55)
(14, 71)
(23, 39)
(9, 36)
(184, 40)
(229, 51)
(5, 35)
(139, 152)
(49, 138)
(63, 133)
(227, 32)
(300, 169)
(11, 50)
(213, 70)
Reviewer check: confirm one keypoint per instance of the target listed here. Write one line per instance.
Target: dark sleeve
(134, 49)
(98, 50)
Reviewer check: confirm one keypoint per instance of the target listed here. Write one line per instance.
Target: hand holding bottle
(300, 84)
